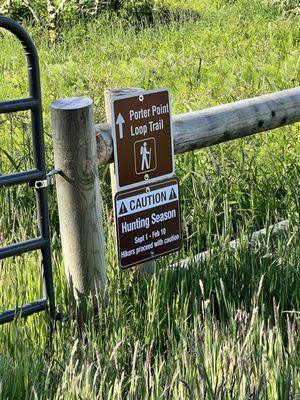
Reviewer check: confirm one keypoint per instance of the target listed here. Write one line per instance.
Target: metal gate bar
(18, 105)
(32, 103)
(21, 177)
(24, 311)
(22, 247)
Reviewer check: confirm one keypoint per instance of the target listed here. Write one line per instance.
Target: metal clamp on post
(49, 181)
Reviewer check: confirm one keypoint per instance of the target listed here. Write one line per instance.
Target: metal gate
(37, 177)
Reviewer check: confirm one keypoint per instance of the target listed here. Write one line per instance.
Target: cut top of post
(72, 103)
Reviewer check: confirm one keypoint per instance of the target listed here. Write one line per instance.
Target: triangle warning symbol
(123, 209)
(173, 195)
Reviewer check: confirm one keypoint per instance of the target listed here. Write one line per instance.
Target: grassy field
(226, 328)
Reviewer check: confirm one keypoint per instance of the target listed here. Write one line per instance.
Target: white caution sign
(146, 201)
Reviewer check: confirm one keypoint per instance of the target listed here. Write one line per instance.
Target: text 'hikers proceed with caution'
(148, 222)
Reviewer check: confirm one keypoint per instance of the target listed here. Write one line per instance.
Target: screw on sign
(148, 222)
(143, 143)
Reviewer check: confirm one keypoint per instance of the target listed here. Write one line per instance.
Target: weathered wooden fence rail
(281, 228)
(198, 129)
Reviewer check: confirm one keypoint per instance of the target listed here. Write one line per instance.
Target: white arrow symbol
(120, 121)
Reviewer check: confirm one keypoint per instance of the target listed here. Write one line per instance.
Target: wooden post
(148, 268)
(78, 197)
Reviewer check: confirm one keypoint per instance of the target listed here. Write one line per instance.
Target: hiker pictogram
(145, 155)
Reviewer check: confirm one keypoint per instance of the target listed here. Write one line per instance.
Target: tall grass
(226, 328)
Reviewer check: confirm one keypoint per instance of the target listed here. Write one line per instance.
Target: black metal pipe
(22, 247)
(18, 105)
(35, 105)
(24, 311)
(21, 177)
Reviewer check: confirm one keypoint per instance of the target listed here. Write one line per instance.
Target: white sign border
(114, 137)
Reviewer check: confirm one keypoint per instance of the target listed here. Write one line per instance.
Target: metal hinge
(49, 181)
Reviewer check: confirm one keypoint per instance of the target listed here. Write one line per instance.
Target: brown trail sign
(148, 222)
(143, 144)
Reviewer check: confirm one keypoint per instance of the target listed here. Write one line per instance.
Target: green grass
(226, 328)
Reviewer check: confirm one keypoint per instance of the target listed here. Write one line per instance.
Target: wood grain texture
(199, 129)
(104, 143)
(78, 196)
